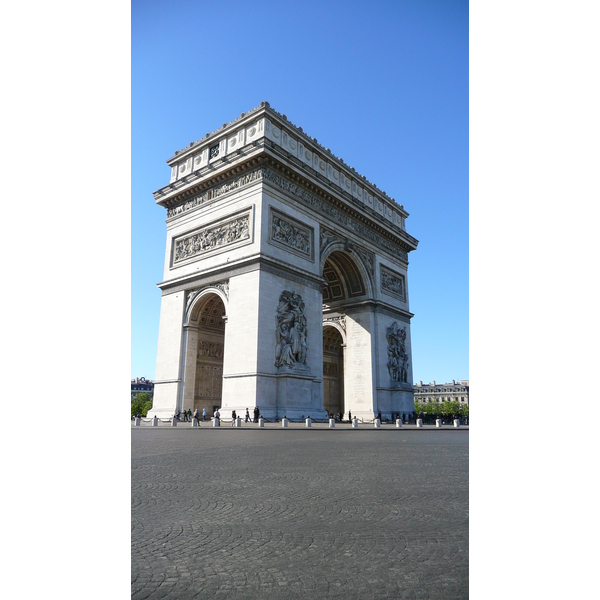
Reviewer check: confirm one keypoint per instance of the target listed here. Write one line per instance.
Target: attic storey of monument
(285, 280)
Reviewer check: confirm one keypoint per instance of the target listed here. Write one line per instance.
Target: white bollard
(194, 422)
(438, 422)
(261, 422)
(238, 422)
(456, 423)
(355, 423)
(155, 421)
(398, 423)
(419, 422)
(137, 421)
(216, 422)
(173, 422)
(284, 422)
(331, 423)
(308, 422)
(377, 423)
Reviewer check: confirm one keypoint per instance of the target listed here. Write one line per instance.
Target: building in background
(443, 392)
(141, 384)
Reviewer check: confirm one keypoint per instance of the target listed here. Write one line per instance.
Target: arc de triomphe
(285, 280)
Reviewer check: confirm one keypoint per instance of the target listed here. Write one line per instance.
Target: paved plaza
(299, 513)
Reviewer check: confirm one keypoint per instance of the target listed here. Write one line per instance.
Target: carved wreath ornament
(290, 331)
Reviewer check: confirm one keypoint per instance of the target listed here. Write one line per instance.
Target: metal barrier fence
(173, 421)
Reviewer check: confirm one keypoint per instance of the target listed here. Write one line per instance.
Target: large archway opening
(208, 314)
(344, 280)
(345, 283)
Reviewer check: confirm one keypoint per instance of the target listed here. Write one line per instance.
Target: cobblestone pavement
(299, 513)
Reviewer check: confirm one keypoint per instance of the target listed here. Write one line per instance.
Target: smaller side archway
(333, 369)
(204, 350)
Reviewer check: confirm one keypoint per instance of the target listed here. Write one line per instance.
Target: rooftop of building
(266, 108)
(462, 382)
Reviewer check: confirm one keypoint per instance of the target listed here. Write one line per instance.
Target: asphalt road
(299, 513)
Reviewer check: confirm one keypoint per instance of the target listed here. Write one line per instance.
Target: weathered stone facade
(285, 280)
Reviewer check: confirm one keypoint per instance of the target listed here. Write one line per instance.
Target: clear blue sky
(384, 85)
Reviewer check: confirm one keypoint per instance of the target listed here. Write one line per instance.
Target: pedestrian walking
(247, 418)
(256, 413)
(204, 414)
(196, 415)
(349, 417)
(234, 417)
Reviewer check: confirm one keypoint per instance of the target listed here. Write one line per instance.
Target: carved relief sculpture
(392, 283)
(397, 357)
(208, 349)
(290, 331)
(210, 238)
(290, 234)
(341, 321)
(368, 258)
(326, 238)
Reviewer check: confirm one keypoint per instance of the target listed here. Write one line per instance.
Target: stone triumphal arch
(285, 280)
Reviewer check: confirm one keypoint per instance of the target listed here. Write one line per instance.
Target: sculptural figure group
(397, 356)
(290, 331)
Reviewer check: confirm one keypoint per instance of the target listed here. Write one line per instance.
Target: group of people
(187, 415)
(183, 416)
(217, 415)
(340, 416)
(246, 416)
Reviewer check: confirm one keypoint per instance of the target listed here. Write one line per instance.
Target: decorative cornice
(265, 108)
(206, 197)
(265, 127)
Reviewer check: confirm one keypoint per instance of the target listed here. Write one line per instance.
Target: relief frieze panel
(330, 369)
(293, 236)
(212, 237)
(209, 350)
(393, 283)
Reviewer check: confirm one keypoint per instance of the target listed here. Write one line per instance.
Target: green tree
(453, 408)
(141, 404)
